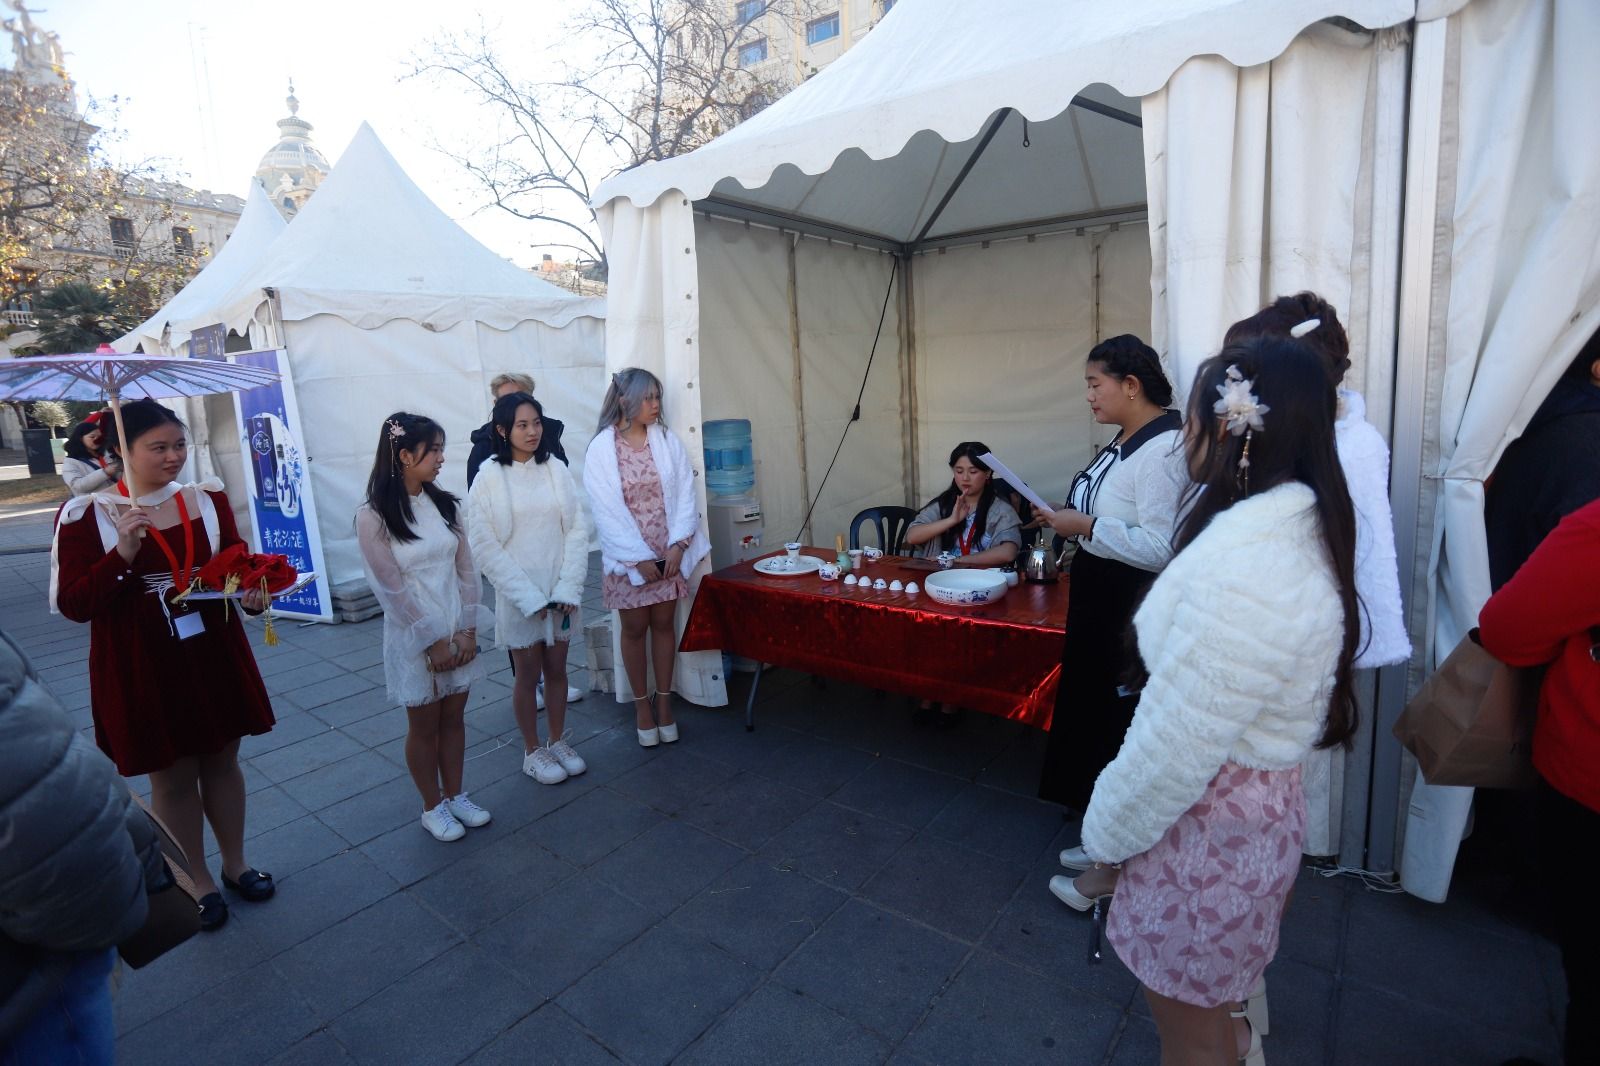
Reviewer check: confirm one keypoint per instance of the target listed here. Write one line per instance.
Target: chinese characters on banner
(283, 515)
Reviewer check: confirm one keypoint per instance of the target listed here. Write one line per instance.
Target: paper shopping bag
(1472, 721)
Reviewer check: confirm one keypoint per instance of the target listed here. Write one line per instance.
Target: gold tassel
(271, 631)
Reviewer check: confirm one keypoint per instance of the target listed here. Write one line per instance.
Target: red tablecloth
(1004, 658)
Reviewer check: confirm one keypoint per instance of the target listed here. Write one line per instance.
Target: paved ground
(838, 886)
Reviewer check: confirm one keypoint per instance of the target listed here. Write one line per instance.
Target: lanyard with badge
(189, 623)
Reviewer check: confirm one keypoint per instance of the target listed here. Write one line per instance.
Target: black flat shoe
(213, 912)
(253, 886)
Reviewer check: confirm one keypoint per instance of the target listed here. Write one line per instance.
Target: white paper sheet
(993, 462)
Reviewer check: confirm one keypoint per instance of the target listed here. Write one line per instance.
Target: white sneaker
(570, 760)
(574, 694)
(538, 696)
(1075, 859)
(442, 824)
(467, 813)
(542, 766)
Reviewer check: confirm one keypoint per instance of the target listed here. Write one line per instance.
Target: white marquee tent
(384, 303)
(1038, 175)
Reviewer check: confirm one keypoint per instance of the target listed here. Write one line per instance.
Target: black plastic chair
(890, 522)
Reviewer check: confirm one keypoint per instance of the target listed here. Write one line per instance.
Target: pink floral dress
(1196, 917)
(641, 491)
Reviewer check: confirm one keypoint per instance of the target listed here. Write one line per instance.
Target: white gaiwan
(965, 588)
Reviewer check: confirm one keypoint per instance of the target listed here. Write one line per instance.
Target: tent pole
(799, 383)
(909, 443)
(961, 177)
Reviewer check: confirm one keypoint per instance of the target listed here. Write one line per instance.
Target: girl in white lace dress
(420, 567)
(529, 533)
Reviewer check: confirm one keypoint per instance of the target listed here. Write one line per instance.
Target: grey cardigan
(77, 856)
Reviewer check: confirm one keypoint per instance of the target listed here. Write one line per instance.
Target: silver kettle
(1037, 564)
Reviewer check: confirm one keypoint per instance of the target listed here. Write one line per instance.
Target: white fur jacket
(622, 547)
(1241, 635)
(528, 533)
(1364, 458)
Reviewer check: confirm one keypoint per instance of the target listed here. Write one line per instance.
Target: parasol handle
(122, 442)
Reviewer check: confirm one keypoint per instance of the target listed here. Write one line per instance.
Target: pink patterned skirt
(1196, 917)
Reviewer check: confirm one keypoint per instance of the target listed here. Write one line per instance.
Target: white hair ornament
(1241, 411)
(1305, 327)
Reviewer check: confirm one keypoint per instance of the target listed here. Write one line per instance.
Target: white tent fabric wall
(651, 251)
(1516, 290)
(443, 374)
(1264, 181)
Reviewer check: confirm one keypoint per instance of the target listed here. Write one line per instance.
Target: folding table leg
(750, 704)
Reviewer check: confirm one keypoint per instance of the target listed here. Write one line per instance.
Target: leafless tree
(659, 78)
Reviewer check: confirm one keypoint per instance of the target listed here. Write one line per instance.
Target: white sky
(211, 109)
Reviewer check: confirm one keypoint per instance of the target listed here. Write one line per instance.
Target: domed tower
(294, 167)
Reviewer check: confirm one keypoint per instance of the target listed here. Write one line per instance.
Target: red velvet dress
(157, 699)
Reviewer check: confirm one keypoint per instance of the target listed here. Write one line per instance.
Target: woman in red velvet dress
(173, 686)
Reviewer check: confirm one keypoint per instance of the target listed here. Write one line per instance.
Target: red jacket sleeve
(1554, 596)
(91, 579)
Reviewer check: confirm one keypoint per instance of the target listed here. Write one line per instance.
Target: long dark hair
(946, 500)
(504, 417)
(1291, 378)
(76, 449)
(386, 485)
(1327, 338)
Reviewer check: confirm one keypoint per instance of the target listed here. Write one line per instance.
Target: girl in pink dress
(1248, 637)
(641, 486)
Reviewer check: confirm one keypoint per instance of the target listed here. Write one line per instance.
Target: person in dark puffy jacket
(78, 859)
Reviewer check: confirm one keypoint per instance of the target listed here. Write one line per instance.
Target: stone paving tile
(410, 853)
(996, 1012)
(316, 751)
(233, 1022)
(374, 812)
(1375, 1026)
(339, 781)
(376, 729)
(361, 704)
(899, 792)
(593, 826)
(313, 671)
(759, 912)
(1137, 1044)
(837, 845)
(487, 885)
(672, 781)
(414, 1020)
(950, 888)
(289, 731)
(175, 979)
(553, 940)
(548, 1035)
(321, 1048)
(873, 967)
(813, 766)
(311, 900)
(748, 810)
(290, 848)
(997, 823)
(666, 865)
(778, 1027)
(365, 954)
(659, 993)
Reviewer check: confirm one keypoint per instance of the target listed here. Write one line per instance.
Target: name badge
(188, 625)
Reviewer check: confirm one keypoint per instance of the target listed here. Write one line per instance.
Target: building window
(750, 10)
(182, 240)
(825, 28)
(752, 53)
(122, 242)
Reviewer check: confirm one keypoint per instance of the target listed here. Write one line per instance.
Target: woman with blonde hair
(640, 482)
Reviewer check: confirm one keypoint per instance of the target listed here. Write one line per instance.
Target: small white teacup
(872, 554)
(895, 586)
(829, 572)
(849, 579)
(793, 548)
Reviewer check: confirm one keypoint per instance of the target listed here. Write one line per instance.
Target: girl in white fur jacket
(641, 485)
(1248, 637)
(530, 537)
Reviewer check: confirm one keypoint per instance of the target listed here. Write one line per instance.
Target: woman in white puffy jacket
(530, 537)
(1248, 637)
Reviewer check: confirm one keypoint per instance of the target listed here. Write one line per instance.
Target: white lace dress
(429, 589)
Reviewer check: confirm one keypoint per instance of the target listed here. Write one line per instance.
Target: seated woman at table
(969, 519)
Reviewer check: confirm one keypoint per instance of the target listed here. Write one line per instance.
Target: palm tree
(76, 317)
